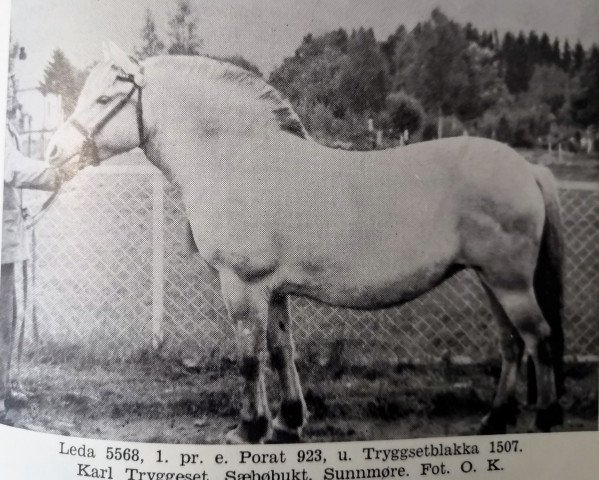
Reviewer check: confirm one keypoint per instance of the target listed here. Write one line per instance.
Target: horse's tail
(548, 278)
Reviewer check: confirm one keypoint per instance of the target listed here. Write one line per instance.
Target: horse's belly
(375, 285)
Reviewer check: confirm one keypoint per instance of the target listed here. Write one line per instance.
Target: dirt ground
(166, 402)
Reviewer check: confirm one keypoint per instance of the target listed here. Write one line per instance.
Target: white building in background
(39, 116)
(41, 112)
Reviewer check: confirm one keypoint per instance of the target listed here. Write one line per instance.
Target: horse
(275, 213)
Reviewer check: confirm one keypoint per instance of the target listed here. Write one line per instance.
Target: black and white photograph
(231, 222)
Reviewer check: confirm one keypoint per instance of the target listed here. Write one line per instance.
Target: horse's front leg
(247, 306)
(292, 413)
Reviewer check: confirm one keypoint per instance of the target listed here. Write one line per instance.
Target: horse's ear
(127, 63)
(122, 59)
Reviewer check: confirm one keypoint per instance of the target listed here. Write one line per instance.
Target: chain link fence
(113, 281)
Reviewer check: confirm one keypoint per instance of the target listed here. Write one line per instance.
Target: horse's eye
(103, 100)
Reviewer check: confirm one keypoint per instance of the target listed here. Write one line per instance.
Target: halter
(89, 149)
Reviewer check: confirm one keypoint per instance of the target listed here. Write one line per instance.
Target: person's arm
(23, 172)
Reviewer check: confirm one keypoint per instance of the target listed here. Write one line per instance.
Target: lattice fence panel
(581, 317)
(94, 289)
(94, 269)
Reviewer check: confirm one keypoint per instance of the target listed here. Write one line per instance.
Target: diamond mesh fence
(114, 282)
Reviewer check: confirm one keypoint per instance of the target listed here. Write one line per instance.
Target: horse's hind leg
(247, 306)
(505, 406)
(292, 414)
(520, 306)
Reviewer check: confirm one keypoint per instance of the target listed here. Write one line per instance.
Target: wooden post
(157, 260)
(559, 152)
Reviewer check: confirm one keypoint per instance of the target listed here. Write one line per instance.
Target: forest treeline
(439, 78)
(442, 78)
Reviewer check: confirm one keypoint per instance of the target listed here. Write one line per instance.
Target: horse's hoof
(492, 424)
(233, 437)
(549, 417)
(284, 436)
(249, 431)
(511, 410)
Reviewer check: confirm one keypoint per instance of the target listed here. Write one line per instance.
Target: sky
(267, 31)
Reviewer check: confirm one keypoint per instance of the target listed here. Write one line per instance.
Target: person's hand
(65, 173)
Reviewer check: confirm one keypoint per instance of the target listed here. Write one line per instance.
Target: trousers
(7, 323)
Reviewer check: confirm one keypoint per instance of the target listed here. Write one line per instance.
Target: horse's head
(108, 117)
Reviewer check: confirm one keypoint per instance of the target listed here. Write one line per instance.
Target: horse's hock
(115, 280)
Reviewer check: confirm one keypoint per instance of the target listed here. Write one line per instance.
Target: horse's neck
(198, 137)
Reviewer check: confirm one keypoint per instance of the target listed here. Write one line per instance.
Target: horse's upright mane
(222, 70)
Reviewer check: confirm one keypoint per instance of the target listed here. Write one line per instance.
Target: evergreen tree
(545, 51)
(62, 78)
(567, 57)
(534, 47)
(517, 64)
(151, 45)
(578, 57)
(556, 55)
(182, 31)
(585, 104)
(472, 34)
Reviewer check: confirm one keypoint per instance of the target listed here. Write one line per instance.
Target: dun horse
(277, 214)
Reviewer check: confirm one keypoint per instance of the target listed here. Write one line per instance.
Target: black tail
(548, 279)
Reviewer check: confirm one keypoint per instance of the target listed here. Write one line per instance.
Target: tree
(567, 57)
(362, 74)
(484, 86)
(585, 104)
(183, 25)
(578, 57)
(549, 85)
(433, 65)
(518, 66)
(534, 47)
(309, 78)
(151, 45)
(545, 51)
(556, 53)
(402, 112)
(62, 78)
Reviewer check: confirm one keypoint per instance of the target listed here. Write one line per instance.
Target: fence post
(157, 259)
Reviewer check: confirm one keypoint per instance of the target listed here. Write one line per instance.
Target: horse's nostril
(53, 152)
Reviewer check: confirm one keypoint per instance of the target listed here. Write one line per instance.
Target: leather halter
(89, 149)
